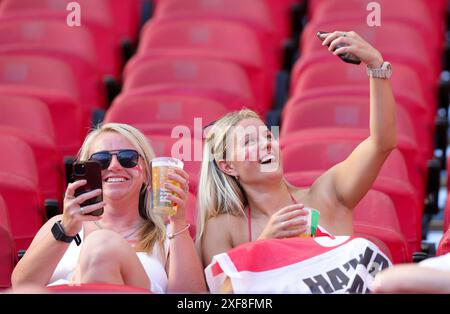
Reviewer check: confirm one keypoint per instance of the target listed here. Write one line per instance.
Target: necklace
(126, 237)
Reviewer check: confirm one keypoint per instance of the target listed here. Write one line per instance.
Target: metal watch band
(384, 72)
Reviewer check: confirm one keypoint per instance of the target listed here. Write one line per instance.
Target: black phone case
(346, 57)
(92, 173)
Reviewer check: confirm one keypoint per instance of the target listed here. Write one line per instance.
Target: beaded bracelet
(174, 234)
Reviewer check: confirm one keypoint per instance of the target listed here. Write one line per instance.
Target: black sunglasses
(128, 158)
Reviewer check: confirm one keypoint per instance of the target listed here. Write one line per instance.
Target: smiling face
(119, 183)
(252, 153)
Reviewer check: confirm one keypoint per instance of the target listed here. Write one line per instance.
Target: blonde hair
(153, 229)
(219, 193)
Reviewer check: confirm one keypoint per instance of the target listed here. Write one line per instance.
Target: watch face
(57, 232)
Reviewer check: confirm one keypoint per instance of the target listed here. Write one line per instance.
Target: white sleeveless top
(153, 265)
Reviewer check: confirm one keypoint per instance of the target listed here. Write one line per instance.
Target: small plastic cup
(161, 167)
(312, 222)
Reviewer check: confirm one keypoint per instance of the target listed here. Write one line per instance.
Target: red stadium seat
(96, 16)
(210, 40)
(54, 39)
(281, 13)
(30, 120)
(126, 17)
(311, 159)
(446, 225)
(413, 13)
(352, 112)
(217, 80)
(375, 215)
(254, 14)
(19, 186)
(249, 13)
(438, 11)
(162, 113)
(444, 245)
(7, 251)
(52, 82)
(185, 148)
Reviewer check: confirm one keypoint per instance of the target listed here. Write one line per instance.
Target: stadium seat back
(30, 120)
(164, 111)
(19, 186)
(218, 80)
(211, 40)
(53, 39)
(375, 214)
(52, 82)
(7, 259)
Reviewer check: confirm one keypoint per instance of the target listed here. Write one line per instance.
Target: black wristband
(60, 235)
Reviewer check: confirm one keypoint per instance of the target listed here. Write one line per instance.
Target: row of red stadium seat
(193, 62)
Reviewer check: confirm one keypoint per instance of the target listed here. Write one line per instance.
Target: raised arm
(351, 179)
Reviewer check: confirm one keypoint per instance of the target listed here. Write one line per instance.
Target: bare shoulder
(217, 237)
(217, 228)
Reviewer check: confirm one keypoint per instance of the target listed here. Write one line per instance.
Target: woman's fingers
(292, 214)
(71, 187)
(289, 208)
(345, 41)
(178, 201)
(293, 232)
(341, 50)
(86, 210)
(182, 179)
(332, 36)
(182, 173)
(88, 195)
(173, 188)
(294, 223)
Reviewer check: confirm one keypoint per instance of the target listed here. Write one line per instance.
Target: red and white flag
(340, 264)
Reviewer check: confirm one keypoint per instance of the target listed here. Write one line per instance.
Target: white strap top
(154, 265)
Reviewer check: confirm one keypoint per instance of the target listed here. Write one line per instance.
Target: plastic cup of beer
(161, 167)
(311, 223)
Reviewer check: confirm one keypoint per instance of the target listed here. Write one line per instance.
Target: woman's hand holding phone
(83, 200)
(347, 44)
(73, 213)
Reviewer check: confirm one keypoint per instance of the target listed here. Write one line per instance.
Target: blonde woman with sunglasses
(128, 244)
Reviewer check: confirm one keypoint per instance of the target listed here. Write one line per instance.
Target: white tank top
(153, 265)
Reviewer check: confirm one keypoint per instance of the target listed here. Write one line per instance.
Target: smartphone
(346, 57)
(92, 173)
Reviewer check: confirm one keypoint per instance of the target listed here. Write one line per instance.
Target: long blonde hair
(218, 192)
(153, 230)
